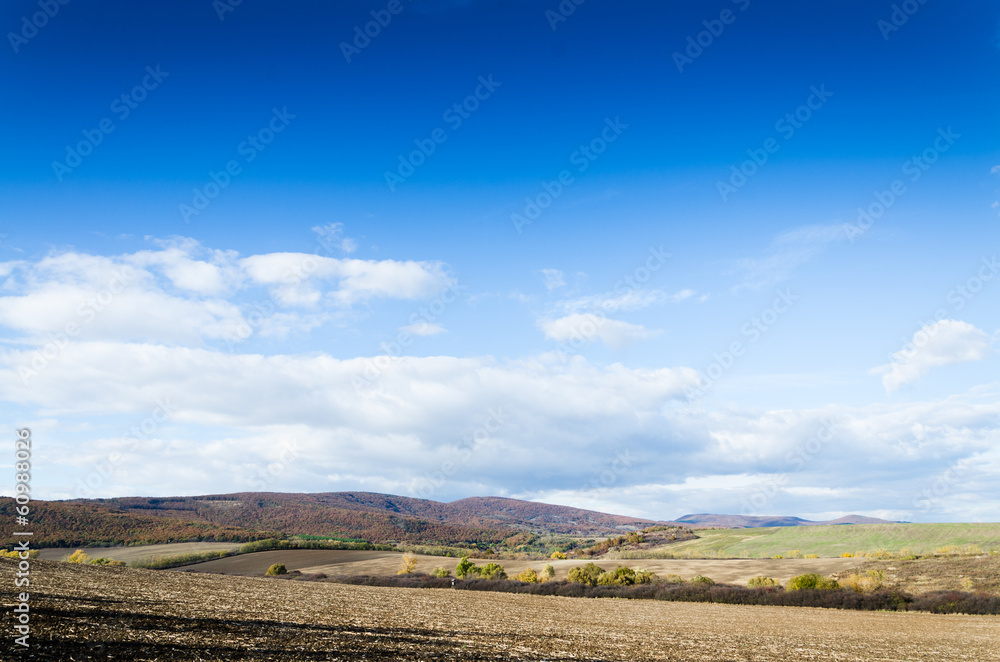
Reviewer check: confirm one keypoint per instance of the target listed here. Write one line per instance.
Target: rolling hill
(752, 521)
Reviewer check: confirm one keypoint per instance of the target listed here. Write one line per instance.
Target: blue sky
(666, 335)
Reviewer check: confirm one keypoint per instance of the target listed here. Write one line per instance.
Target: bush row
(883, 600)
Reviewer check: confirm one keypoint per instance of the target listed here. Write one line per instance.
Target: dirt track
(93, 613)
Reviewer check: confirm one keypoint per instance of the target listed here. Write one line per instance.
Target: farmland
(346, 562)
(139, 552)
(90, 613)
(832, 541)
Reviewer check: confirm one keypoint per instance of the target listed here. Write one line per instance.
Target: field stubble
(91, 613)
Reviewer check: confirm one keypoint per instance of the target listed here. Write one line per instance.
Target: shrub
(702, 579)
(492, 571)
(464, 568)
(811, 556)
(587, 574)
(760, 581)
(878, 554)
(645, 577)
(558, 556)
(407, 564)
(620, 576)
(811, 580)
(277, 569)
(793, 554)
(108, 562)
(529, 576)
(440, 571)
(866, 583)
(14, 554)
(548, 573)
(847, 555)
(673, 579)
(79, 556)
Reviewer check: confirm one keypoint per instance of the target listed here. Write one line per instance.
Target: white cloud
(936, 344)
(787, 251)
(554, 279)
(563, 423)
(626, 300)
(184, 293)
(587, 328)
(332, 236)
(423, 329)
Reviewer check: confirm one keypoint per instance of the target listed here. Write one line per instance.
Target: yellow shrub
(529, 575)
(879, 554)
(32, 554)
(866, 583)
(558, 556)
(811, 556)
(847, 555)
(793, 554)
(78, 557)
(407, 564)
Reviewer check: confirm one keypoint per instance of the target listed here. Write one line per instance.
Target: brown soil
(93, 613)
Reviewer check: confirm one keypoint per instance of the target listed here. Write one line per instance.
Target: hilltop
(754, 521)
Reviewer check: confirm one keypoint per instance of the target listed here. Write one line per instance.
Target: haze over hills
(757, 521)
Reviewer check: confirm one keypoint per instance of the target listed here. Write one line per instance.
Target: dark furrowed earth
(101, 613)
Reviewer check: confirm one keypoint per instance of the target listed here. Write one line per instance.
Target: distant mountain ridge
(758, 521)
(377, 518)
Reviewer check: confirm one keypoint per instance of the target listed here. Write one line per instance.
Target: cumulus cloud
(537, 428)
(936, 344)
(185, 293)
(586, 328)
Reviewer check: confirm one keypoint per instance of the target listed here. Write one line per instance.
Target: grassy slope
(834, 540)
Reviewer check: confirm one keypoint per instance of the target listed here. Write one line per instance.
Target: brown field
(139, 552)
(956, 573)
(348, 562)
(92, 613)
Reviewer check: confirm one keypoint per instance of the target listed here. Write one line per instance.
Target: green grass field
(828, 541)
